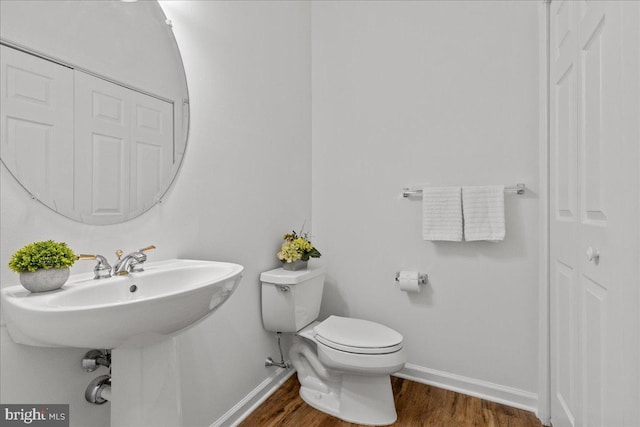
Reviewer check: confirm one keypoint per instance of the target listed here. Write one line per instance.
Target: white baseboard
(251, 401)
(484, 390)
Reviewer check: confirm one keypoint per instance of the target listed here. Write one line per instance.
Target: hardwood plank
(418, 405)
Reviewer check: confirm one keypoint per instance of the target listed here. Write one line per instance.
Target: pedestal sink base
(136, 316)
(145, 386)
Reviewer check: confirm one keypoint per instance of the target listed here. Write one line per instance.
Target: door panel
(594, 353)
(564, 213)
(593, 249)
(129, 138)
(592, 132)
(603, 172)
(109, 158)
(37, 125)
(565, 339)
(102, 142)
(565, 149)
(152, 153)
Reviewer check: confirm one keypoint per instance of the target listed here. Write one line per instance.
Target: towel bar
(517, 189)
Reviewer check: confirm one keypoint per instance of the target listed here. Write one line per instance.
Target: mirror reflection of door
(37, 125)
(94, 105)
(123, 148)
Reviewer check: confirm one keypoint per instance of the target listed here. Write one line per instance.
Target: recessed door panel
(106, 176)
(564, 145)
(592, 140)
(102, 110)
(108, 108)
(147, 170)
(593, 349)
(31, 142)
(562, 26)
(27, 86)
(36, 110)
(149, 119)
(152, 154)
(564, 338)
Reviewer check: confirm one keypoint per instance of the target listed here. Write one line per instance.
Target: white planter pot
(296, 265)
(44, 279)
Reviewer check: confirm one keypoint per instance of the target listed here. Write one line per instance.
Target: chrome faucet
(102, 270)
(129, 264)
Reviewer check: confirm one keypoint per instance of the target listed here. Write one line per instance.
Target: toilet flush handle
(283, 288)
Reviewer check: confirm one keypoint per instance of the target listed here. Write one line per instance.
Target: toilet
(343, 364)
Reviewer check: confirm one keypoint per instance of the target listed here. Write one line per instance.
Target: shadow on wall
(423, 298)
(332, 297)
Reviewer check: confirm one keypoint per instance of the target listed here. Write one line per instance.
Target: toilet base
(358, 399)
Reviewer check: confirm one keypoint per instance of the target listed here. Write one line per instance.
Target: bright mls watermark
(34, 415)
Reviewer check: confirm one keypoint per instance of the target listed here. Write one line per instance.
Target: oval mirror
(95, 108)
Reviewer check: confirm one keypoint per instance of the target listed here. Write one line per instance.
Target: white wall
(251, 61)
(439, 93)
(403, 93)
(126, 42)
(238, 191)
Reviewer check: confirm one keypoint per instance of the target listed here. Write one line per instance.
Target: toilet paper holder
(422, 278)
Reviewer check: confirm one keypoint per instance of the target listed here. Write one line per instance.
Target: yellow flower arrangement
(297, 248)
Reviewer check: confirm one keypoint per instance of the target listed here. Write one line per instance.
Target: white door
(152, 149)
(37, 125)
(563, 218)
(125, 146)
(594, 213)
(102, 144)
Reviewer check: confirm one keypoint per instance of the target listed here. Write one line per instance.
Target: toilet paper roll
(409, 281)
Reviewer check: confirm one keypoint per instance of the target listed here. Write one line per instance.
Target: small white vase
(44, 279)
(295, 265)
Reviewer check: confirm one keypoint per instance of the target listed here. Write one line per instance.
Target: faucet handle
(119, 253)
(148, 248)
(139, 258)
(102, 268)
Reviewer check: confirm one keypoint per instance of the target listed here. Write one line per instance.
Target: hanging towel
(483, 211)
(441, 213)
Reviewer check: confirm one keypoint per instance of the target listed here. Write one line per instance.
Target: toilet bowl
(343, 364)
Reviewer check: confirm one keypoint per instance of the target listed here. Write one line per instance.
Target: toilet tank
(291, 299)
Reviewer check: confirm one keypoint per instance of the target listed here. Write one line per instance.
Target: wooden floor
(418, 405)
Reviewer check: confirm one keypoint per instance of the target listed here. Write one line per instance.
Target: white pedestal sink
(134, 315)
(166, 298)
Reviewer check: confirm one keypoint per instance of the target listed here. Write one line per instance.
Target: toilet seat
(357, 336)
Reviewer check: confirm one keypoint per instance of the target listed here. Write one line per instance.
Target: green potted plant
(296, 251)
(43, 266)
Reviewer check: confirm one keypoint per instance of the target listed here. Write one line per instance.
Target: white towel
(483, 211)
(441, 213)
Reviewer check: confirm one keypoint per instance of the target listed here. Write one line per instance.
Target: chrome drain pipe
(96, 358)
(282, 364)
(99, 390)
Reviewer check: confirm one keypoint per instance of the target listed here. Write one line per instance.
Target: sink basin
(166, 298)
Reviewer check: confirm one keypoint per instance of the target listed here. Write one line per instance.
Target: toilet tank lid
(280, 276)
